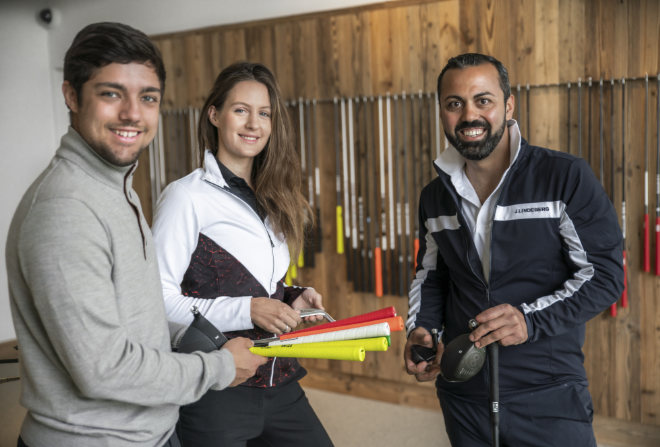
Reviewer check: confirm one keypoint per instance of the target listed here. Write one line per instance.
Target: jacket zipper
(272, 254)
(272, 245)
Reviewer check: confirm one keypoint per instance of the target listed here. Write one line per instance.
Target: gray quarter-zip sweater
(87, 306)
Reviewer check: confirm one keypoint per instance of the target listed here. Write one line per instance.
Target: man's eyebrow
(118, 86)
(114, 85)
(448, 97)
(481, 94)
(460, 98)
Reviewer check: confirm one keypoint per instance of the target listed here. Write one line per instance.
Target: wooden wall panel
(284, 63)
(402, 46)
(198, 75)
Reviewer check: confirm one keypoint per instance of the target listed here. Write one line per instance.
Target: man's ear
(70, 96)
(510, 107)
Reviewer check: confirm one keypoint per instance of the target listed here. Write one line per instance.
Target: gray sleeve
(65, 258)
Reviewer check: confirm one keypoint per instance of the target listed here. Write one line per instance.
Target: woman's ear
(213, 116)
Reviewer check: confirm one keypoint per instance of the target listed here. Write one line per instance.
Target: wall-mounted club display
(384, 147)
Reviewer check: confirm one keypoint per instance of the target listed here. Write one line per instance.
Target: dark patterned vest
(214, 272)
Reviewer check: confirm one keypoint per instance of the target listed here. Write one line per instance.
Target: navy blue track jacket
(556, 254)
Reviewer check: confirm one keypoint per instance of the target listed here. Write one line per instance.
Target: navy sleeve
(592, 238)
(428, 290)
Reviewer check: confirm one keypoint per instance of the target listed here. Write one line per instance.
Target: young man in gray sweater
(85, 292)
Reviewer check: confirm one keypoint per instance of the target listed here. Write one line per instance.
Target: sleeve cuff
(530, 325)
(225, 371)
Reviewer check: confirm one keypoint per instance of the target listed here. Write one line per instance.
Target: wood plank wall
(401, 46)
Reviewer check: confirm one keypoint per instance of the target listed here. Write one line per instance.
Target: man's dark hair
(101, 44)
(474, 59)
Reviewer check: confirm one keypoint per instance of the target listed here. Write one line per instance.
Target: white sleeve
(176, 229)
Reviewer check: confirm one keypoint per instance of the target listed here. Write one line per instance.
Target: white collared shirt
(479, 216)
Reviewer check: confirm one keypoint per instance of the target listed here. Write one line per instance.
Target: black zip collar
(239, 187)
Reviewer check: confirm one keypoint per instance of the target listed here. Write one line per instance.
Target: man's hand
(503, 323)
(423, 371)
(309, 299)
(246, 362)
(273, 315)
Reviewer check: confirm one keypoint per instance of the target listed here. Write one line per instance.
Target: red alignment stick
(386, 312)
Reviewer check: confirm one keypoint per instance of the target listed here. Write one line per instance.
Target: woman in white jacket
(225, 235)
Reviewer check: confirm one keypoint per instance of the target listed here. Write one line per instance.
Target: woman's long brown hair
(276, 173)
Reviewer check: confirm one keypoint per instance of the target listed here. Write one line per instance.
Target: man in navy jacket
(525, 240)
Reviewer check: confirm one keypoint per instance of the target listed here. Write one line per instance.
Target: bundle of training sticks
(345, 339)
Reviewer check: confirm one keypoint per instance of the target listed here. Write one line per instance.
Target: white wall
(27, 137)
(32, 112)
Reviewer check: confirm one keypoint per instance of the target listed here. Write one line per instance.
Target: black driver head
(201, 335)
(461, 360)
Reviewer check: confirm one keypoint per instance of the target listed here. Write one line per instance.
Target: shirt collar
(451, 162)
(212, 171)
(221, 175)
(231, 178)
(75, 149)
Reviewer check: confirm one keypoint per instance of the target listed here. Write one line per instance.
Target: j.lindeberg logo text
(531, 210)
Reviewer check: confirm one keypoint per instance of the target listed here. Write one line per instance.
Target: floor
(353, 421)
(386, 425)
(11, 413)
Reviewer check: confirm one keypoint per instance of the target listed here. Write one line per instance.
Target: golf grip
(657, 246)
(386, 312)
(647, 246)
(624, 295)
(340, 231)
(378, 268)
(657, 181)
(369, 344)
(355, 353)
(493, 363)
(375, 330)
(395, 324)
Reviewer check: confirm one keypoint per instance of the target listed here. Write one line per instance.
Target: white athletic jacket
(215, 252)
(199, 203)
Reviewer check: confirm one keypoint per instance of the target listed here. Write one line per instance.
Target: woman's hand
(309, 299)
(273, 315)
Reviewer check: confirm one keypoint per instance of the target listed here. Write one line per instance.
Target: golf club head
(461, 360)
(419, 353)
(201, 335)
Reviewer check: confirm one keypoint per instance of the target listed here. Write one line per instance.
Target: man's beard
(106, 153)
(476, 150)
